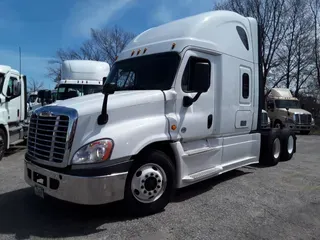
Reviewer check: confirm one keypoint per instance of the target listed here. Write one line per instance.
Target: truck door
(13, 103)
(196, 122)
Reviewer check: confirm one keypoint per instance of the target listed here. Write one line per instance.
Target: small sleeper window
(245, 86)
(243, 36)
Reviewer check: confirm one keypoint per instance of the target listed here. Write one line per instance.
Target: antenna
(20, 61)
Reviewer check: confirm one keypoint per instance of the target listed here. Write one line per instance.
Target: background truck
(13, 107)
(182, 103)
(81, 77)
(284, 110)
(78, 78)
(265, 120)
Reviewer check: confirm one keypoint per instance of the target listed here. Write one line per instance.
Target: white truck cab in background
(284, 110)
(182, 103)
(81, 77)
(13, 107)
(33, 99)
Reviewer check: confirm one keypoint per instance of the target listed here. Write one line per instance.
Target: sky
(40, 27)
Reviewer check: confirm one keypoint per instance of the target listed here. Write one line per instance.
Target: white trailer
(182, 103)
(13, 107)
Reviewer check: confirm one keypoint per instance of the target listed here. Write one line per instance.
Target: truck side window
(189, 78)
(11, 86)
(243, 36)
(245, 85)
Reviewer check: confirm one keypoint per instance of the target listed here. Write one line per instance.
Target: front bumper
(299, 127)
(91, 190)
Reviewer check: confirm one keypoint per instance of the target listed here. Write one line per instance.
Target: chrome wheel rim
(290, 144)
(276, 148)
(148, 183)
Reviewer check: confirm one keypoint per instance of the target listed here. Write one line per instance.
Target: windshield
(150, 72)
(65, 91)
(32, 98)
(287, 104)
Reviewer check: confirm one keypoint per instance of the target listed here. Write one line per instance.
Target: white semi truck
(182, 103)
(81, 77)
(13, 108)
(78, 78)
(285, 111)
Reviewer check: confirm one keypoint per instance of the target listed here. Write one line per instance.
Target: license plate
(39, 191)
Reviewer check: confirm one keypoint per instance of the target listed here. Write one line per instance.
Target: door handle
(209, 122)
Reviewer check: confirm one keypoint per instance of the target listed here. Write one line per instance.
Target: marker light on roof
(173, 46)
(138, 52)
(144, 51)
(132, 53)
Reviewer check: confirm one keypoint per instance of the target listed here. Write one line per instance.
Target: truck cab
(182, 103)
(80, 77)
(285, 111)
(13, 107)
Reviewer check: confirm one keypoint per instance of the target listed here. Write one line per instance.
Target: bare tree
(104, 45)
(314, 7)
(274, 26)
(34, 85)
(111, 41)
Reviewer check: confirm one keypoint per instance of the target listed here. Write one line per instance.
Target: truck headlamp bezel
(94, 152)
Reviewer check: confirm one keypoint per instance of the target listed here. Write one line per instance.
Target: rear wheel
(150, 183)
(271, 148)
(288, 139)
(3, 143)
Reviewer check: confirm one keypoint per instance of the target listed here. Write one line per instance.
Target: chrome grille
(302, 118)
(51, 132)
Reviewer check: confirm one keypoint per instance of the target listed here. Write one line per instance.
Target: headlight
(97, 151)
(269, 122)
(312, 121)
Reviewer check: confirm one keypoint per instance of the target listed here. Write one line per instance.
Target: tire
(288, 144)
(152, 174)
(305, 132)
(271, 148)
(3, 143)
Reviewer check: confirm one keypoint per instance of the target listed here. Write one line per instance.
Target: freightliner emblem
(46, 114)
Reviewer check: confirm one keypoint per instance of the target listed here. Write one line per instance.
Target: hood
(294, 111)
(92, 103)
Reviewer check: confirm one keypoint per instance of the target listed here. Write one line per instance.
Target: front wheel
(150, 183)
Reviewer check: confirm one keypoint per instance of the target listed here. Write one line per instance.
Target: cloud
(167, 11)
(163, 14)
(32, 66)
(94, 14)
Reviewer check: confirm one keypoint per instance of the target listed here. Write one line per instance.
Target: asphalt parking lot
(281, 202)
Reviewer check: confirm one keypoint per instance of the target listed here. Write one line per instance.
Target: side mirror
(109, 88)
(202, 75)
